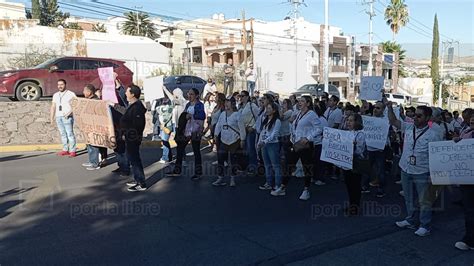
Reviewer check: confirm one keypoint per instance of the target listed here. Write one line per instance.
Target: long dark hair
(359, 124)
(309, 101)
(288, 104)
(275, 116)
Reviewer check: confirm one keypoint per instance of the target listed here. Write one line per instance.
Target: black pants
(318, 165)
(468, 202)
(352, 181)
(306, 157)
(181, 150)
(103, 153)
(285, 146)
(133, 156)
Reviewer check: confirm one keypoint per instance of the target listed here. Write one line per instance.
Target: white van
(398, 98)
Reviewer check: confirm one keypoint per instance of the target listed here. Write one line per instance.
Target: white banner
(371, 88)
(396, 111)
(376, 131)
(338, 147)
(452, 163)
(153, 88)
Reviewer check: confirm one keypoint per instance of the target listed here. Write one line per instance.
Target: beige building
(10, 10)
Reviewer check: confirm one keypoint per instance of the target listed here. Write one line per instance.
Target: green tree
(99, 28)
(139, 24)
(51, 16)
(396, 16)
(35, 9)
(73, 26)
(393, 47)
(435, 59)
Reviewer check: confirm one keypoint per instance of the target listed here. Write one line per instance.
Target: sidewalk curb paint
(80, 146)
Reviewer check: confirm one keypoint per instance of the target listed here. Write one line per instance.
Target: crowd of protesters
(279, 139)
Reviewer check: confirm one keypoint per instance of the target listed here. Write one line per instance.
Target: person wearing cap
(230, 133)
(249, 115)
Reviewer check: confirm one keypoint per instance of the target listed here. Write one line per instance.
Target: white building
(9, 10)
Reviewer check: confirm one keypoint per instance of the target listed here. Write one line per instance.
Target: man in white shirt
(61, 111)
(333, 114)
(210, 87)
(251, 76)
(414, 164)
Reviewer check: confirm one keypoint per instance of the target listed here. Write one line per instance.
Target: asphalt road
(52, 211)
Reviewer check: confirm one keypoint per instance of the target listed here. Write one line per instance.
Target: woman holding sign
(352, 178)
(467, 243)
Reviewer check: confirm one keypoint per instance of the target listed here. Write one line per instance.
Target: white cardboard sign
(338, 147)
(452, 163)
(371, 88)
(153, 88)
(376, 131)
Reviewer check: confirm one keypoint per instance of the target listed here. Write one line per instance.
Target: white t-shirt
(62, 101)
(251, 75)
(190, 109)
(333, 116)
(209, 88)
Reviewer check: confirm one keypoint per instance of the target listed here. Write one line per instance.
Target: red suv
(32, 84)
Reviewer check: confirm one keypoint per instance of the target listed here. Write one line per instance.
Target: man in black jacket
(132, 124)
(120, 150)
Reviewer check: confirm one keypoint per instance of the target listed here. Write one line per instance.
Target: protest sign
(452, 163)
(376, 131)
(153, 88)
(396, 111)
(338, 147)
(371, 88)
(106, 75)
(94, 119)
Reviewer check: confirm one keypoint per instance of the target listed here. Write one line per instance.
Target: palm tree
(139, 24)
(99, 28)
(393, 47)
(396, 16)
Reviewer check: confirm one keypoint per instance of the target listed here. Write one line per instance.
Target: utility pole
(188, 50)
(326, 46)
(371, 14)
(244, 37)
(251, 40)
(446, 45)
(138, 21)
(296, 4)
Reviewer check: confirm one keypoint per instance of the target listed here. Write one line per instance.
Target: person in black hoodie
(120, 150)
(132, 124)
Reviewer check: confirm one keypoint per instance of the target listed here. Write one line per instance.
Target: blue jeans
(133, 155)
(271, 159)
(166, 147)
(251, 87)
(65, 126)
(251, 151)
(422, 184)
(93, 153)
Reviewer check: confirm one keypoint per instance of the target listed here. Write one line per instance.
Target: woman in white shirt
(319, 166)
(352, 178)
(210, 87)
(302, 137)
(270, 146)
(230, 133)
(286, 116)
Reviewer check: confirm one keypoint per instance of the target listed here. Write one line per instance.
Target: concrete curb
(80, 146)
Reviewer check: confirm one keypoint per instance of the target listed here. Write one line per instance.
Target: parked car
(316, 90)
(185, 83)
(40, 81)
(398, 98)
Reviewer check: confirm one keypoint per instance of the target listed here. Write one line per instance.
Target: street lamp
(188, 51)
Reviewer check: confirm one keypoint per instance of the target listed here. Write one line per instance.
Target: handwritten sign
(452, 163)
(371, 88)
(94, 119)
(153, 88)
(106, 75)
(338, 147)
(396, 111)
(376, 131)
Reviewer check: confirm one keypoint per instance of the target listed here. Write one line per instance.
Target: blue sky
(455, 17)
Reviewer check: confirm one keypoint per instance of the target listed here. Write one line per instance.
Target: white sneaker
(214, 149)
(87, 165)
(214, 163)
(219, 182)
(402, 193)
(232, 182)
(305, 195)
(319, 183)
(162, 161)
(190, 154)
(278, 192)
(226, 164)
(422, 232)
(405, 224)
(463, 246)
(266, 186)
(399, 182)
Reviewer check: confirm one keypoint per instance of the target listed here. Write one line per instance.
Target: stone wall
(23, 123)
